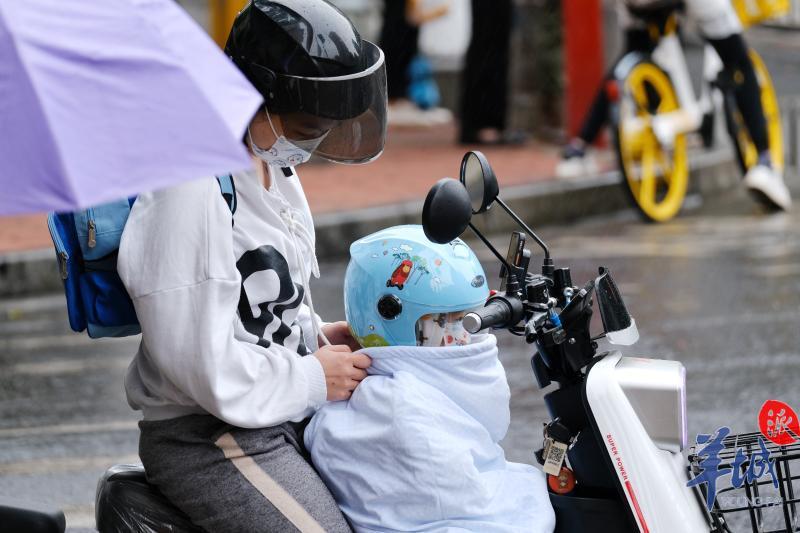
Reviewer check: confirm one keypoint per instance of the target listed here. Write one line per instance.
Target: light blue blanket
(416, 447)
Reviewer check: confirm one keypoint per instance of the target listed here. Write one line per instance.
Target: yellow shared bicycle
(655, 109)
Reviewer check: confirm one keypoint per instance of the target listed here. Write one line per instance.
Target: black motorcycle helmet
(314, 70)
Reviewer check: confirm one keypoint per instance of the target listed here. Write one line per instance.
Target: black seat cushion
(30, 517)
(125, 502)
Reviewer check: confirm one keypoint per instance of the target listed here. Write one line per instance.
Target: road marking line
(58, 341)
(699, 322)
(777, 270)
(65, 429)
(51, 465)
(34, 304)
(51, 368)
(79, 516)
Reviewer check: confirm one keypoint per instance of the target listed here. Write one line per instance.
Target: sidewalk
(349, 202)
(414, 159)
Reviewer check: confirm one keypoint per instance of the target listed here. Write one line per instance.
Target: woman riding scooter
(233, 357)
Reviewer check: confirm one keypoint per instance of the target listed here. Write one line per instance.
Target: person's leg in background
(484, 97)
(733, 52)
(398, 40)
(574, 161)
(721, 27)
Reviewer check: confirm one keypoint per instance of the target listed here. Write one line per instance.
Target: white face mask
(442, 329)
(285, 153)
(455, 334)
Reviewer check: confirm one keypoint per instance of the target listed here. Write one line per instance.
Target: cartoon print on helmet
(460, 249)
(372, 340)
(400, 274)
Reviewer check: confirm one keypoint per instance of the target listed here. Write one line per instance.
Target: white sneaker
(406, 114)
(768, 187)
(576, 167)
(439, 115)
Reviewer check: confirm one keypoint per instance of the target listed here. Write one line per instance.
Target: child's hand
(343, 369)
(339, 333)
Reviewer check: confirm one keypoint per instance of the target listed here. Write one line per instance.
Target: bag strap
(228, 190)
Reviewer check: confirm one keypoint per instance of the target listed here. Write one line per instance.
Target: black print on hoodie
(290, 295)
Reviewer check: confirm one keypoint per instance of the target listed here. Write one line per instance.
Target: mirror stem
(528, 230)
(492, 248)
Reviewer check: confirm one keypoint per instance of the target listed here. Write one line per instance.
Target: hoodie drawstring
(299, 232)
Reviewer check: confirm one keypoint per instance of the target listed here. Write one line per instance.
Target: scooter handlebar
(496, 313)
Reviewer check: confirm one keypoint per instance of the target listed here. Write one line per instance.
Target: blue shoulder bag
(87, 244)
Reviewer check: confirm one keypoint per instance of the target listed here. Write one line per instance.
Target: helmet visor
(350, 111)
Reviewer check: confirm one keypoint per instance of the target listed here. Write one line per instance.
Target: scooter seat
(126, 502)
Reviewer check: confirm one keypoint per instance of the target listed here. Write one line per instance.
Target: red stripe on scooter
(636, 507)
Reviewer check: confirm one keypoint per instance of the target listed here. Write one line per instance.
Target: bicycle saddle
(655, 11)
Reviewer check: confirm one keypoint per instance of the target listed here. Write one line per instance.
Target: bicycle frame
(670, 57)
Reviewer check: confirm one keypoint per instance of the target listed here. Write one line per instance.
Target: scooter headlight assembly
(656, 390)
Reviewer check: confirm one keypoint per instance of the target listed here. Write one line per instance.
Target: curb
(539, 204)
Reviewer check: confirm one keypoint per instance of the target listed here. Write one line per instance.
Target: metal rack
(757, 505)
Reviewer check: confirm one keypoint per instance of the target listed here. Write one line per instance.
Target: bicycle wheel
(746, 153)
(656, 177)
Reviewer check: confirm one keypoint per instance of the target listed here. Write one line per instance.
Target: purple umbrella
(106, 99)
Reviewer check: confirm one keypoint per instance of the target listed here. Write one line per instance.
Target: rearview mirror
(447, 211)
(619, 325)
(479, 181)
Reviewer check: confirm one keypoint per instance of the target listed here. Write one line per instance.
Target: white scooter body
(639, 408)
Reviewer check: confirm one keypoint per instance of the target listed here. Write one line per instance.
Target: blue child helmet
(397, 275)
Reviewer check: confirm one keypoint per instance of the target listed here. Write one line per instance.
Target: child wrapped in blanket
(416, 446)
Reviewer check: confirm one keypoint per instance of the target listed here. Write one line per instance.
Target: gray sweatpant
(231, 479)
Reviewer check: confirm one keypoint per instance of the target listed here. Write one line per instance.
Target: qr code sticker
(555, 458)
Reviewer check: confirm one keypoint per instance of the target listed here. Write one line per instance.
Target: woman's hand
(343, 370)
(339, 333)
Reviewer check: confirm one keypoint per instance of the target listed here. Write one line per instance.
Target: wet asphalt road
(717, 289)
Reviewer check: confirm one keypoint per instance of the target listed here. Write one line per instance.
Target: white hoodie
(416, 446)
(220, 302)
